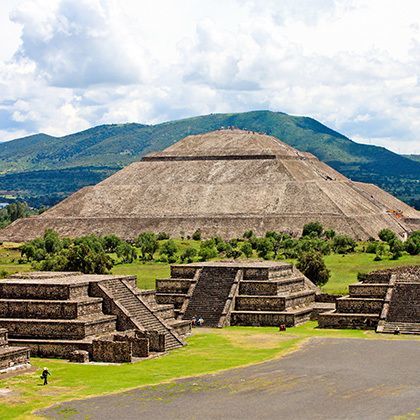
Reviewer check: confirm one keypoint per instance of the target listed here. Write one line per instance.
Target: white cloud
(354, 65)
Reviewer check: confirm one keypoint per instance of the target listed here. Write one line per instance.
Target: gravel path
(327, 379)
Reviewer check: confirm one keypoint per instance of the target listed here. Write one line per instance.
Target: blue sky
(67, 65)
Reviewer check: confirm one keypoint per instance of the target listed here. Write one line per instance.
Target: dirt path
(327, 379)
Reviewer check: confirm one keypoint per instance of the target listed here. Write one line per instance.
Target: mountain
(413, 157)
(30, 166)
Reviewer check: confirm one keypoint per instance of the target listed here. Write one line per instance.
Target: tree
(248, 234)
(169, 249)
(343, 244)
(52, 242)
(246, 249)
(148, 245)
(312, 228)
(207, 250)
(396, 247)
(126, 252)
(188, 254)
(162, 236)
(412, 245)
(329, 233)
(380, 251)
(312, 265)
(264, 247)
(196, 236)
(387, 235)
(111, 243)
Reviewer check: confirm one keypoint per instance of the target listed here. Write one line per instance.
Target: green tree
(246, 249)
(169, 249)
(412, 245)
(312, 265)
(111, 243)
(264, 247)
(329, 233)
(196, 236)
(188, 254)
(314, 228)
(126, 252)
(396, 247)
(380, 251)
(387, 235)
(207, 251)
(148, 245)
(343, 244)
(162, 236)
(52, 242)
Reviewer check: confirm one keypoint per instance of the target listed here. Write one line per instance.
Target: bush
(234, 253)
(371, 247)
(387, 235)
(264, 247)
(126, 252)
(412, 245)
(246, 249)
(396, 247)
(314, 228)
(329, 233)
(207, 252)
(380, 251)
(111, 243)
(188, 254)
(248, 234)
(169, 249)
(312, 265)
(343, 244)
(197, 235)
(161, 236)
(148, 244)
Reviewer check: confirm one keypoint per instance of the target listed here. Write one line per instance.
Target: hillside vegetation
(41, 168)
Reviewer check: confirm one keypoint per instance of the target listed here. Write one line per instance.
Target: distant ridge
(117, 145)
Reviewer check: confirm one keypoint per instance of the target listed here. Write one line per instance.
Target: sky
(66, 65)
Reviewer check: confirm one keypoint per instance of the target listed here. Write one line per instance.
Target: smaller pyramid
(223, 182)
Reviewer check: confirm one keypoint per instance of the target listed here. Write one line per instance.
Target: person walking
(44, 375)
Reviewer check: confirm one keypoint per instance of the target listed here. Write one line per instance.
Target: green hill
(44, 169)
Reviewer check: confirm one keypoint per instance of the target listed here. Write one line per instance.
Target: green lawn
(344, 268)
(208, 350)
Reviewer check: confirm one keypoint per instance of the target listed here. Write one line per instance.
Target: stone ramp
(137, 312)
(211, 293)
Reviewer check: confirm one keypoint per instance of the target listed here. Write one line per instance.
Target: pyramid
(224, 183)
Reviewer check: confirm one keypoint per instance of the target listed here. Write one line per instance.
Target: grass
(208, 350)
(344, 268)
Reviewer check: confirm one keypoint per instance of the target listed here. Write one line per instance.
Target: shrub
(161, 236)
(188, 254)
(246, 249)
(169, 249)
(148, 244)
(343, 244)
(312, 228)
(371, 247)
(264, 247)
(126, 252)
(312, 265)
(197, 235)
(412, 245)
(329, 233)
(248, 234)
(396, 247)
(387, 235)
(111, 243)
(380, 251)
(207, 252)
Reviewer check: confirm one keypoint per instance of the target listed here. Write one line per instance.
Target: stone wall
(405, 303)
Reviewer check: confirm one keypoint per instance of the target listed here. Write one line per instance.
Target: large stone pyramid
(224, 183)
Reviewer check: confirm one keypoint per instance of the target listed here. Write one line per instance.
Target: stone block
(79, 356)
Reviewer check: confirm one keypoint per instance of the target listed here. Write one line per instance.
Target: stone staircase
(226, 293)
(128, 300)
(56, 314)
(211, 293)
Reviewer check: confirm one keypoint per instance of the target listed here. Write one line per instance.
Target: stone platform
(238, 293)
(12, 358)
(385, 301)
(56, 314)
